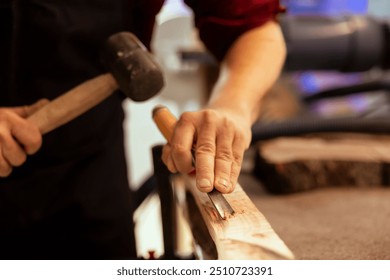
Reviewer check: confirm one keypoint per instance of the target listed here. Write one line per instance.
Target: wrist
(237, 111)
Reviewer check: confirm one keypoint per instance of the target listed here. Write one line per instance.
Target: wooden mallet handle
(136, 74)
(74, 103)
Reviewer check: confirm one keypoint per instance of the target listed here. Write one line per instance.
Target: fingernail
(224, 183)
(204, 183)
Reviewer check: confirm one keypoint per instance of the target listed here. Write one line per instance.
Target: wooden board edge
(245, 235)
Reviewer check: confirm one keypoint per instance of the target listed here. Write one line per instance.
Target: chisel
(166, 122)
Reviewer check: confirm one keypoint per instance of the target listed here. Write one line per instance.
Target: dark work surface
(343, 223)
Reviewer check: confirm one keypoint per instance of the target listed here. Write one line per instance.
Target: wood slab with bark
(291, 164)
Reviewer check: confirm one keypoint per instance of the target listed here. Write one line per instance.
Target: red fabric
(221, 22)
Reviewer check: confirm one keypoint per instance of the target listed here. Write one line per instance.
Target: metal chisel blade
(220, 203)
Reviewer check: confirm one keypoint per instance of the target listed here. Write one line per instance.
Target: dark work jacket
(71, 199)
(51, 46)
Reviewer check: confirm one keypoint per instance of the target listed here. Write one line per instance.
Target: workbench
(332, 223)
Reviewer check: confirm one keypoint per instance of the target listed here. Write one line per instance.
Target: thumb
(27, 110)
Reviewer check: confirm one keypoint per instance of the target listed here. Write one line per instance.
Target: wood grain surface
(245, 235)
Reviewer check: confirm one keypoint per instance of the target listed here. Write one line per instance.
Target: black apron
(71, 200)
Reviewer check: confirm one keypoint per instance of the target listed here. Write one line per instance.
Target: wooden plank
(245, 235)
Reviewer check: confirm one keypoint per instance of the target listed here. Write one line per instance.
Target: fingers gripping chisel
(166, 122)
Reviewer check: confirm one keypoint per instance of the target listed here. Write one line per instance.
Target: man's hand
(221, 133)
(219, 139)
(18, 136)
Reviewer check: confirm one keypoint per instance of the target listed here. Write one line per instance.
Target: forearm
(222, 131)
(249, 69)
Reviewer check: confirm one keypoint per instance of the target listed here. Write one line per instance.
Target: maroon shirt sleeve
(221, 22)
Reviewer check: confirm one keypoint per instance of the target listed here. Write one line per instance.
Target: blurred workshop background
(336, 47)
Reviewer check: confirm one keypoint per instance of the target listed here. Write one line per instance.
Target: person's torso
(50, 46)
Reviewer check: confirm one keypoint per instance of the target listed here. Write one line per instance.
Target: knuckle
(224, 155)
(203, 169)
(226, 122)
(185, 118)
(178, 150)
(238, 158)
(208, 116)
(205, 148)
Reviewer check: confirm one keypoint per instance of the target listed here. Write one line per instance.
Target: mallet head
(133, 67)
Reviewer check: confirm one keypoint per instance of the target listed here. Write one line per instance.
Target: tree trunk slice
(291, 164)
